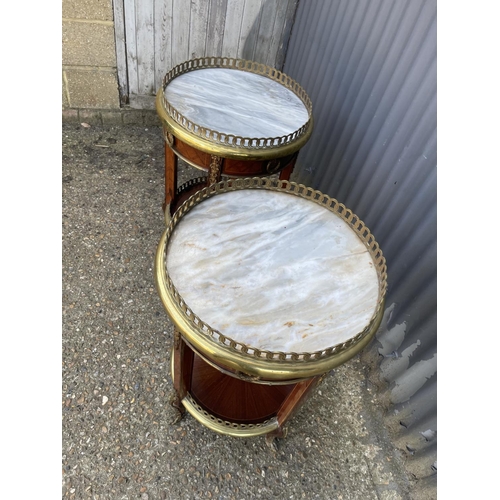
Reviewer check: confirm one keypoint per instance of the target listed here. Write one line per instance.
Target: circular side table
(232, 118)
(270, 285)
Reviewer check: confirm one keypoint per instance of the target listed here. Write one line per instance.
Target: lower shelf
(230, 398)
(228, 405)
(185, 191)
(225, 427)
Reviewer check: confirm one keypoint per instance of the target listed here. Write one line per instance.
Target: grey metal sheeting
(370, 69)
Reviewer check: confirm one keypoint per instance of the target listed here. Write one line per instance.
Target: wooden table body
(215, 166)
(289, 250)
(227, 403)
(231, 118)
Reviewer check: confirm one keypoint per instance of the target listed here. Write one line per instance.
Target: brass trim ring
(229, 145)
(222, 426)
(266, 365)
(225, 427)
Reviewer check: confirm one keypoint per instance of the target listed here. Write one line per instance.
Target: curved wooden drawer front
(233, 167)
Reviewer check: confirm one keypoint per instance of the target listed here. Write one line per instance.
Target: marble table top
(236, 102)
(273, 271)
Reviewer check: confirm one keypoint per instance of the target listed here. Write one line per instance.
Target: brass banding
(228, 145)
(169, 139)
(225, 427)
(238, 357)
(184, 159)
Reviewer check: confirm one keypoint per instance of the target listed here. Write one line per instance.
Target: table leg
(182, 367)
(287, 171)
(290, 406)
(170, 171)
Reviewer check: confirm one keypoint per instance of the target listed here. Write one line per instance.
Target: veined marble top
(273, 271)
(237, 102)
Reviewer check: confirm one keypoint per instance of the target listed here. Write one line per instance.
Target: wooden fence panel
(152, 36)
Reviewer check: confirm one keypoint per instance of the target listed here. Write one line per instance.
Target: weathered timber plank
(232, 28)
(198, 28)
(163, 39)
(181, 15)
(121, 54)
(268, 18)
(285, 37)
(216, 24)
(249, 29)
(145, 47)
(271, 45)
(130, 30)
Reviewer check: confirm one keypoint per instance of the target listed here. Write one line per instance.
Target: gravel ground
(118, 440)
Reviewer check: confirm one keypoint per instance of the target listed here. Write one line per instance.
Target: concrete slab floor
(118, 441)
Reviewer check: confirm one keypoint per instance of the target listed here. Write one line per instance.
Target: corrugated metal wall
(369, 67)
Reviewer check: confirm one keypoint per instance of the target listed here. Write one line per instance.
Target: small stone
(104, 400)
